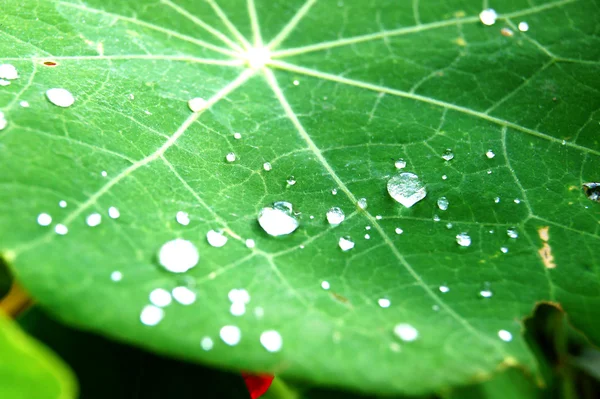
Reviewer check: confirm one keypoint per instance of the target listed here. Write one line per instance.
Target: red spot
(257, 384)
(50, 63)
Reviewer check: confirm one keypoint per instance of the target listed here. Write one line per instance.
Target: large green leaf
(351, 86)
(28, 370)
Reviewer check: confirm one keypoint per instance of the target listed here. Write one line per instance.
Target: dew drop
(512, 233)
(113, 213)
(151, 315)
(61, 229)
(160, 297)
(444, 177)
(443, 203)
(325, 285)
(267, 166)
(384, 302)
(296, 82)
(291, 181)
(406, 188)
(504, 250)
(3, 121)
(239, 295)
(463, 239)
(278, 220)
(231, 335)
(490, 154)
(505, 335)
(448, 226)
(237, 308)
(517, 201)
(346, 243)
(335, 216)
(24, 104)
(378, 217)
(592, 191)
(259, 312)
(237, 136)
(362, 203)
(197, 104)
(44, 219)
(230, 157)
(178, 255)
(448, 155)
(444, 289)
(60, 97)
(250, 243)
(367, 237)
(4, 82)
(497, 200)
(367, 227)
(93, 220)
(8, 71)
(271, 340)
(485, 293)
(334, 191)
(400, 164)
(523, 26)
(183, 295)
(488, 17)
(436, 218)
(406, 332)
(398, 230)
(183, 218)
(216, 238)
(206, 343)
(116, 276)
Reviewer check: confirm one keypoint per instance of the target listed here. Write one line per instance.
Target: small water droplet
(62, 204)
(230, 157)
(24, 104)
(113, 213)
(367, 227)
(206, 343)
(444, 289)
(362, 203)
(346, 243)
(197, 104)
(406, 332)
(231, 335)
(216, 238)
(517, 201)
(505, 335)
(116, 276)
(93, 220)
(435, 308)
(151, 315)
(486, 291)
(178, 255)
(60, 97)
(443, 203)
(4, 83)
(448, 155)
(278, 220)
(490, 154)
(497, 200)
(183, 218)
(463, 239)
(103, 173)
(237, 136)
(8, 71)
(335, 216)
(267, 166)
(44, 219)
(334, 191)
(406, 188)
(592, 191)
(271, 340)
(259, 312)
(183, 295)
(61, 229)
(523, 26)
(384, 302)
(250, 243)
(296, 82)
(398, 230)
(325, 285)
(291, 181)
(237, 309)
(489, 172)
(444, 177)
(448, 225)
(239, 295)
(436, 218)
(488, 17)
(400, 164)
(504, 250)
(367, 237)
(512, 233)
(160, 297)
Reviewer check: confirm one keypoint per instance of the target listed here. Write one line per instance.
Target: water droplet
(505, 335)
(291, 181)
(231, 335)
(230, 157)
(507, 32)
(592, 191)
(463, 239)
(44, 219)
(448, 155)
(184, 295)
(367, 227)
(325, 285)
(384, 302)
(504, 250)
(444, 177)
(131, 96)
(61, 229)
(435, 308)
(490, 154)
(271, 340)
(259, 312)
(512, 233)
(237, 308)
(237, 136)
(517, 201)
(335, 216)
(398, 230)
(113, 213)
(278, 220)
(151, 315)
(488, 17)
(60, 97)
(436, 218)
(250, 243)
(216, 238)
(367, 237)
(444, 289)
(378, 217)
(160, 297)
(311, 217)
(93, 220)
(497, 200)
(116, 276)
(406, 188)
(362, 203)
(296, 82)
(267, 166)
(8, 71)
(183, 218)
(24, 104)
(485, 293)
(178, 255)
(443, 203)
(448, 225)
(4, 82)
(62, 204)
(206, 343)
(334, 191)
(197, 104)
(103, 173)
(346, 243)
(239, 295)
(400, 164)
(406, 332)
(523, 26)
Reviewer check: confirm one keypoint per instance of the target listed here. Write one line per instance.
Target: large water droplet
(216, 238)
(44, 219)
(443, 203)
(406, 188)
(362, 203)
(231, 335)
(400, 164)
(197, 104)
(448, 155)
(592, 191)
(505, 335)
(406, 332)
(184, 295)
(160, 297)
(271, 340)
(278, 220)
(463, 239)
(8, 71)
(94, 219)
(488, 17)
(60, 97)
(346, 243)
(151, 315)
(335, 216)
(178, 255)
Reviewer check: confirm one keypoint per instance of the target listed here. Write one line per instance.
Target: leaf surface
(349, 88)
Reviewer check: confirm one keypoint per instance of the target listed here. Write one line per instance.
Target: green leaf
(28, 370)
(351, 87)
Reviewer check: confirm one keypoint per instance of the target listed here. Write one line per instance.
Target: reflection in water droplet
(183, 218)
(44, 219)
(230, 157)
(488, 17)
(512, 233)
(444, 289)
(335, 216)
(61, 229)
(216, 238)
(231, 335)
(463, 239)
(267, 166)
(93, 220)
(505, 335)
(592, 191)
(271, 340)
(384, 302)
(62, 204)
(325, 285)
(523, 26)
(490, 154)
(362, 203)
(197, 104)
(160, 297)
(406, 332)
(448, 155)
(443, 203)
(184, 295)
(398, 230)
(278, 220)
(116, 276)
(60, 97)
(178, 255)
(206, 343)
(250, 243)
(151, 315)
(406, 188)
(400, 164)
(291, 181)
(346, 243)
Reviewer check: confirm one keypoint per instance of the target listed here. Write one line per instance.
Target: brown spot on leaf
(543, 232)
(50, 63)
(546, 250)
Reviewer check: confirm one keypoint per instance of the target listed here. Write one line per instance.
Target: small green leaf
(498, 124)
